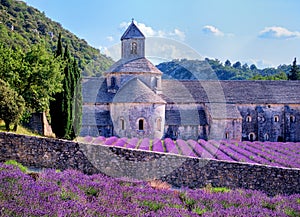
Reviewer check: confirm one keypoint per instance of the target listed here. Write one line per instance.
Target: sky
(261, 32)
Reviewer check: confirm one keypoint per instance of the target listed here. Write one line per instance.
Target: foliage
(71, 193)
(66, 108)
(17, 164)
(35, 75)
(295, 71)
(11, 105)
(214, 69)
(22, 25)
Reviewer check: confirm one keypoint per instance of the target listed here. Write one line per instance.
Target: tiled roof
(134, 66)
(94, 116)
(181, 116)
(94, 90)
(135, 91)
(231, 92)
(132, 32)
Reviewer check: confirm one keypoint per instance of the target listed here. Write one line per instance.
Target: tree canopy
(11, 105)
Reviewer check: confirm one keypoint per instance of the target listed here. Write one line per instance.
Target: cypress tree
(77, 101)
(66, 111)
(295, 71)
(59, 49)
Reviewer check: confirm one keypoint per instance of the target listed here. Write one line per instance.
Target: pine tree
(295, 71)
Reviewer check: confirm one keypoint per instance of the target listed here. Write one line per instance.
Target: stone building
(132, 100)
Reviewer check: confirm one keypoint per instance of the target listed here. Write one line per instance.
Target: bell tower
(133, 43)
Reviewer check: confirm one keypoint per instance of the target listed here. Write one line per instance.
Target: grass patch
(21, 130)
(152, 205)
(17, 164)
(291, 212)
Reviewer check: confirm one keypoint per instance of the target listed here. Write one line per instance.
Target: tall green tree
(64, 110)
(295, 71)
(11, 105)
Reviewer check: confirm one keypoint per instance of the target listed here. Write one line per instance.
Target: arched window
(134, 48)
(122, 123)
(248, 118)
(292, 119)
(141, 124)
(266, 137)
(251, 137)
(276, 118)
(158, 124)
(226, 135)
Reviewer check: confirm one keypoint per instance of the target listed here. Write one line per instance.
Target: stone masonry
(135, 164)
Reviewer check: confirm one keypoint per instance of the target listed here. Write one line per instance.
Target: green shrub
(15, 163)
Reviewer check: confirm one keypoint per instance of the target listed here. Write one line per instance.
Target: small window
(122, 124)
(292, 119)
(266, 137)
(276, 118)
(226, 135)
(248, 118)
(113, 82)
(251, 137)
(158, 124)
(141, 124)
(134, 48)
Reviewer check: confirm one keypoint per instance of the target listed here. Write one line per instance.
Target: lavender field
(71, 193)
(265, 153)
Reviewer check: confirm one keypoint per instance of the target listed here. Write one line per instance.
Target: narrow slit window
(122, 124)
(248, 118)
(141, 124)
(276, 118)
(158, 124)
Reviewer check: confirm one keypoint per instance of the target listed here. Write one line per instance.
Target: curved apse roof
(134, 66)
(135, 91)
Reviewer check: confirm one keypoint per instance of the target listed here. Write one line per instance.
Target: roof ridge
(132, 32)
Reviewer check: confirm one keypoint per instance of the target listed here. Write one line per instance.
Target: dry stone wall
(135, 164)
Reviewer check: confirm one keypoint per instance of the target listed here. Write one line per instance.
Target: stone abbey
(132, 100)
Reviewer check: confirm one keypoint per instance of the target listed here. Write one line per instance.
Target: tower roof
(132, 32)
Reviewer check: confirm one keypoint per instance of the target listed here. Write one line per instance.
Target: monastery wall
(119, 162)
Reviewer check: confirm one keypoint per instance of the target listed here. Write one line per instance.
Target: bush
(16, 164)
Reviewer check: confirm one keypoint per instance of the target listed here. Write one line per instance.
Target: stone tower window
(134, 48)
(122, 123)
(158, 124)
(292, 119)
(276, 118)
(251, 137)
(248, 118)
(141, 124)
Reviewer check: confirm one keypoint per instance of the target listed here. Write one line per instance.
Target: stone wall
(118, 162)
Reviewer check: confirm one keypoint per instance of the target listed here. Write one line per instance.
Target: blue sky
(263, 32)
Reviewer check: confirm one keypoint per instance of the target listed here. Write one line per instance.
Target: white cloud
(148, 31)
(110, 38)
(278, 32)
(212, 30)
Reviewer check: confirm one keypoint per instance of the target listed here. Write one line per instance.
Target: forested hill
(212, 69)
(22, 25)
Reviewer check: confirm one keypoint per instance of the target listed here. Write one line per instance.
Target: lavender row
(72, 193)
